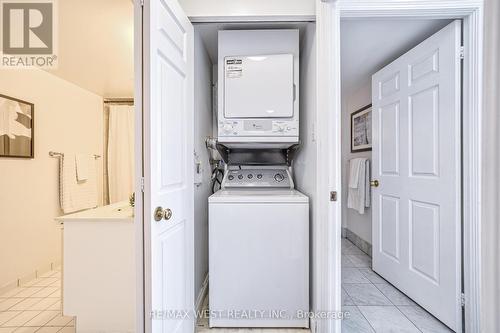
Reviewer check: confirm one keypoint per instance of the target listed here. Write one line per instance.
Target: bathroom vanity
(99, 268)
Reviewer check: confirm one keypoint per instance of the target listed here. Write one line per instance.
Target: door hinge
(333, 196)
(462, 300)
(142, 184)
(462, 52)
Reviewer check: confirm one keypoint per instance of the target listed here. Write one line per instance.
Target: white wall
(305, 162)
(67, 119)
(359, 224)
(247, 7)
(202, 130)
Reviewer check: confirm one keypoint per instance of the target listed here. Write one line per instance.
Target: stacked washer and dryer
(258, 221)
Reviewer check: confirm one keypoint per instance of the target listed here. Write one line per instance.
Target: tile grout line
(51, 286)
(13, 305)
(393, 305)
(369, 282)
(356, 306)
(20, 312)
(384, 295)
(396, 306)
(411, 321)
(373, 328)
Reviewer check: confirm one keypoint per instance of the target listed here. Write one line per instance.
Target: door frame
(140, 249)
(329, 13)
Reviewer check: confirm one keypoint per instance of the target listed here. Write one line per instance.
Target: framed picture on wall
(16, 128)
(361, 129)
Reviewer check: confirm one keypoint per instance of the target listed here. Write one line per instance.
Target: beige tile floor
(35, 307)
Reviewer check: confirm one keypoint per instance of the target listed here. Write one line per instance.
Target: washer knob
(228, 128)
(240, 176)
(259, 176)
(279, 177)
(230, 177)
(250, 176)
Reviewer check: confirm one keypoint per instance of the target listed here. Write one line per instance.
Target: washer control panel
(257, 178)
(258, 127)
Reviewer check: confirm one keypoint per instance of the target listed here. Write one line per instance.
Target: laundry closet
(255, 171)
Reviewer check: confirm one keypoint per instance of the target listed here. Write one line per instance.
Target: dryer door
(259, 86)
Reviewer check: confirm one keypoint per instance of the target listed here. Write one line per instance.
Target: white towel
(74, 195)
(354, 171)
(358, 195)
(82, 167)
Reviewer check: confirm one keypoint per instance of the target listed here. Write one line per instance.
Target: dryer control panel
(257, 178)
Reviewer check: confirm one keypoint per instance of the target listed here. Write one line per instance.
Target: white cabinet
(99, 269)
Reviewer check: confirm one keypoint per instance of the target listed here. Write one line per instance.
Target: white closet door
(417, 160)
(168, 160)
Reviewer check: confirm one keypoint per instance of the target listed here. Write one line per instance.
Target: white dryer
(258, 90)
(258, 253)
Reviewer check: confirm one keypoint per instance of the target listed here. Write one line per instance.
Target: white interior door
(168, 159)
(417, 160)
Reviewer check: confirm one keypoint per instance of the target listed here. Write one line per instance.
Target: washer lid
(258, 196)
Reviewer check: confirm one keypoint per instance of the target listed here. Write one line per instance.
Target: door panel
(389, 86)
(424, 229)
(168, 145)
(389, 232)
(171, 243)
(423, 118)
(389, 135)
(422, 67)
(171, 101)
(416, 158)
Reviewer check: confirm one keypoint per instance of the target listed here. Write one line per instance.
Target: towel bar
(56, 154)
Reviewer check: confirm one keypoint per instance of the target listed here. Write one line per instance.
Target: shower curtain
(490, 233)
(120, 152)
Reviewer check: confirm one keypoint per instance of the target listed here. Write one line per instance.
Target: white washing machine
(258, 251)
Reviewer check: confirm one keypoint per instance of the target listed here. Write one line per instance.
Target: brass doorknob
(374, 183)
(158, 214)
(167, 214)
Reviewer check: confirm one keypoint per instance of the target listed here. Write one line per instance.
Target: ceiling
(368, 45)
(225, 8)
(96, 50)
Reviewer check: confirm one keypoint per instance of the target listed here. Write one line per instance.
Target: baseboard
(30, 277)
(22, 280)
(8, 286)
(358, 241)
(202, 294)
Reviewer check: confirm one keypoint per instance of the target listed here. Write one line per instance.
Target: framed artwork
(361, 129)
(16, 128)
